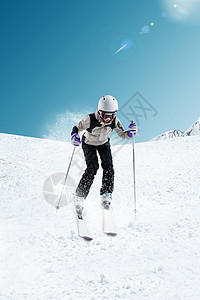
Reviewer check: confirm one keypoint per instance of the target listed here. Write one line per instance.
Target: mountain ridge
(194, 129)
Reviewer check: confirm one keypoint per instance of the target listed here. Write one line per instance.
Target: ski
(83, 230)
(108, 223)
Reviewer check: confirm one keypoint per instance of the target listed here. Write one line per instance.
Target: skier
(98, 126)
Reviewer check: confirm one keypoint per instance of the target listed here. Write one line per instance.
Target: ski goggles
(107, 116)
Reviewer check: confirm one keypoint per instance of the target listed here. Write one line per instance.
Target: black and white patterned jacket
(96, 131)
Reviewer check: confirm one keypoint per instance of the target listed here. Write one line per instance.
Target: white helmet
(107, 108)
(108, 104)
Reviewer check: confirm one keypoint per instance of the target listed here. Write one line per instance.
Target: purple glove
(75, 139)
(133, 129)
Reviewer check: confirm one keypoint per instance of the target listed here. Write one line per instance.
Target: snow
(169, 134)
(154, 257)
(194, 129)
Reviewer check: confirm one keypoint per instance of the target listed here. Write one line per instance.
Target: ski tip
(87, 238)
(111, 233)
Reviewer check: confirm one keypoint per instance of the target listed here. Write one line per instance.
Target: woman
(98, 127)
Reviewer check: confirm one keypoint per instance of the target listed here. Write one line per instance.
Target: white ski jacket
(96, 131)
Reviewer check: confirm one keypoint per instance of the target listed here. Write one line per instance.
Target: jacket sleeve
(120, 130)
(82, 125)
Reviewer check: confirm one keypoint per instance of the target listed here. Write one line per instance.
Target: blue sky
(58, 58)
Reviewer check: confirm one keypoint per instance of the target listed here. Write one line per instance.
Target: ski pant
(90, 153)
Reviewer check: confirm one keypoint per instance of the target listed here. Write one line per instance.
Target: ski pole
(58, 206)
(134, 195)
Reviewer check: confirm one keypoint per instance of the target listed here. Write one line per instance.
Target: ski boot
(78, 201)
(106, 200)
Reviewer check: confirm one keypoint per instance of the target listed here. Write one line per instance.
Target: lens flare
(120, 49)
(186, 10)
(128, 44)
(125, 45)
(145, 29)
(164, 14)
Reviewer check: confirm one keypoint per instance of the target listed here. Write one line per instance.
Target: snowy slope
(169, 134)
(153, 257)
